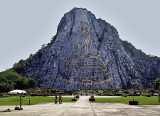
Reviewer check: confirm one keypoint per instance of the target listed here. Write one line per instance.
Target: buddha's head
(84, 28)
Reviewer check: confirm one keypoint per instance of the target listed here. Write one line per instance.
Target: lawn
(141, 100)
(15, 100)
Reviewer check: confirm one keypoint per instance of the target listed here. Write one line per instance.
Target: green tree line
(10, 80)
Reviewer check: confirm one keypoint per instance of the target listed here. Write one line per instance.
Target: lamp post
(20, 101)
(29, 92)
(29, 100)
(19, 108)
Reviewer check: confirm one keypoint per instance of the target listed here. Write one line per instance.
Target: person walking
(56, 99)
(60, 99)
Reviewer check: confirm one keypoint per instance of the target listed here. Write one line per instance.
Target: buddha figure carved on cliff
(85, 63)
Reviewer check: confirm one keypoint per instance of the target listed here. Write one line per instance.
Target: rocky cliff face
(88, 53)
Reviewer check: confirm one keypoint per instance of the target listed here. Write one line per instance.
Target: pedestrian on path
(56, 99)
(60, 99)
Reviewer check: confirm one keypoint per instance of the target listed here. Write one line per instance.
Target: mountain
(87, 53)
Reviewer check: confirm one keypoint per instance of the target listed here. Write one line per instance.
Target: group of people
(60, 99)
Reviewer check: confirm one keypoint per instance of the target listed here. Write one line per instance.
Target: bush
(133, 102)
(77, 96)
(134, 94)
(74, 99)
(148, 95)
(39, 94)
(118, 94)
(92, 96)
(124, 95)
(91, 99)
(1, 94)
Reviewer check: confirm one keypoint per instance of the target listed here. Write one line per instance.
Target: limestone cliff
(87, 53)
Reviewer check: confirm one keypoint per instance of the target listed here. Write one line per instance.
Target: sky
(25, 25)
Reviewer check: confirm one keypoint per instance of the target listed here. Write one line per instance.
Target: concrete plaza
(83, 108)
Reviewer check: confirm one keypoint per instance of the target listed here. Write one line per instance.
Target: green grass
(15, 100)
(141, 100)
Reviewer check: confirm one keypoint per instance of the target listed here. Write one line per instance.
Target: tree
(5, 87)
(157, 84)
(32, 82)
(20, 67)
(7, 80)
(10, 80)
(3, 79)
(11, 76)
(21, 83)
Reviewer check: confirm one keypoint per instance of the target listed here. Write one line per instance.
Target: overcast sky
(25, 25)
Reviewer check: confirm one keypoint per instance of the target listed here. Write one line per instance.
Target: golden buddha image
(84, 62)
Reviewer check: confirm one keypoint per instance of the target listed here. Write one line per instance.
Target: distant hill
(87, 53)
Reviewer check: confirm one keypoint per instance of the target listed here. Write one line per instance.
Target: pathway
(83, 108)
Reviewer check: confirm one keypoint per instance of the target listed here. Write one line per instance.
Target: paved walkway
(83, 108)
